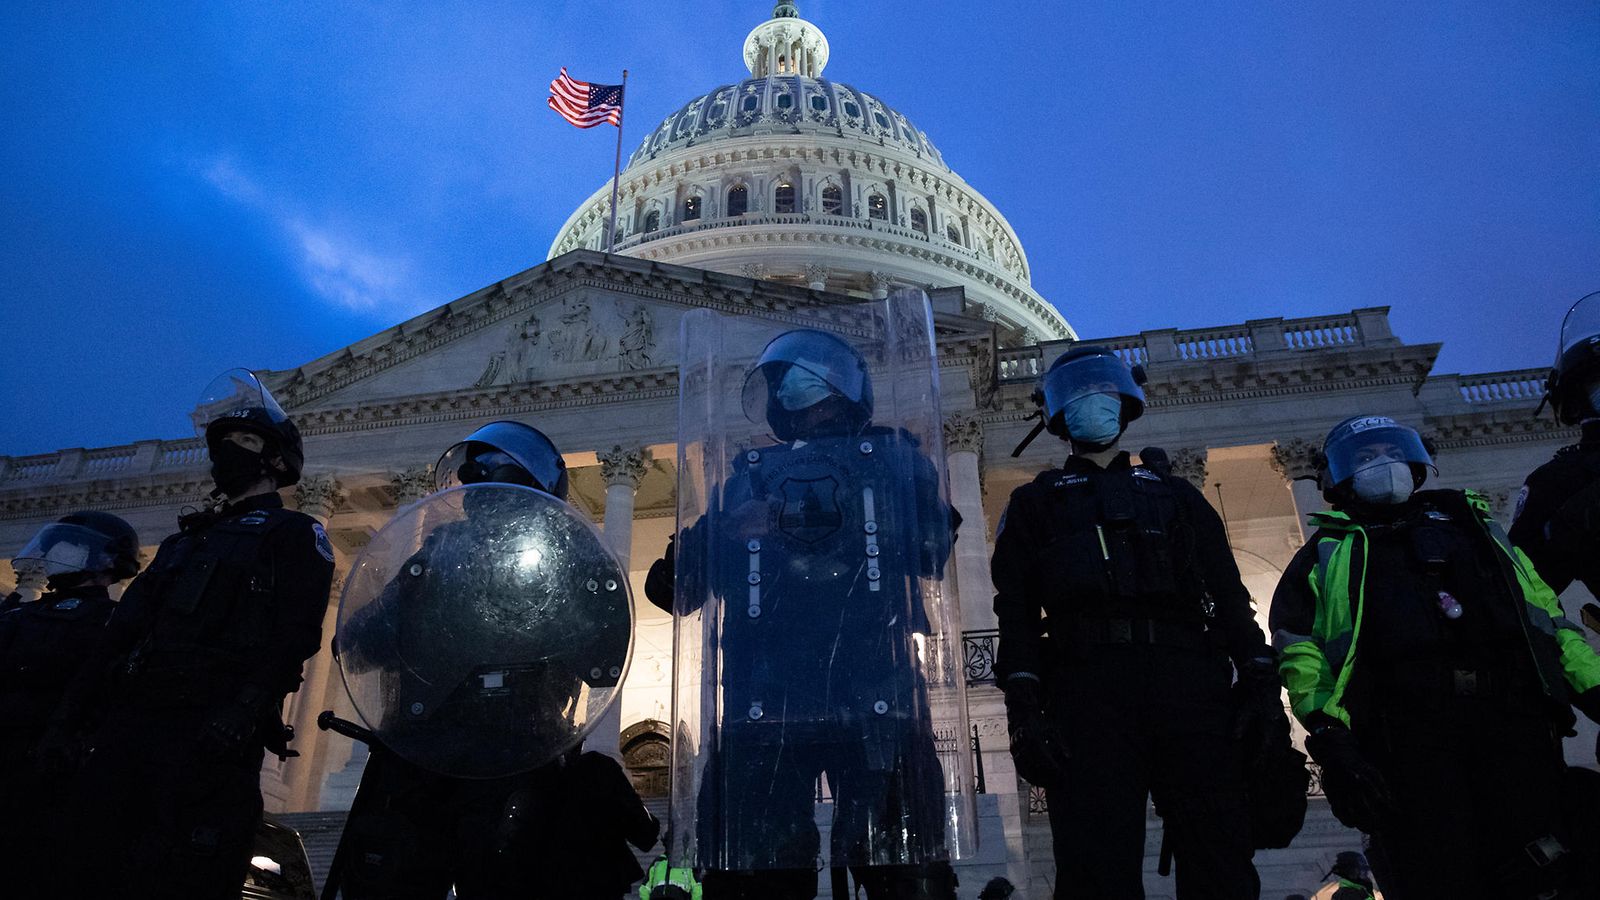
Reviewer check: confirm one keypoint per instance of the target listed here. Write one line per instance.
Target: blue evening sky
(186, 187)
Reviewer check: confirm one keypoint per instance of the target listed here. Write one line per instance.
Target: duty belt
(1433, 678)
(1154, 632)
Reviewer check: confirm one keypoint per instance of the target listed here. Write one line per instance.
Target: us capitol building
(758, 198)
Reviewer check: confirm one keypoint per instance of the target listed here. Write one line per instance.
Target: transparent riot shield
(819, 679)
(484, 630)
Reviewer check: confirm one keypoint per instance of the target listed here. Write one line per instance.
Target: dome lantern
(785, 45)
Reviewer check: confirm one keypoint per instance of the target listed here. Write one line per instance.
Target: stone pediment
(583, 316)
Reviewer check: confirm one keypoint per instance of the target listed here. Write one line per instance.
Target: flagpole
(616, 170)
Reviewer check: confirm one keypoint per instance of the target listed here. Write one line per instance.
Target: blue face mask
(1094, 418)
(801, 388)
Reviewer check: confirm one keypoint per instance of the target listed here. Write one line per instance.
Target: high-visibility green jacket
(1317, 666)
(660, 873)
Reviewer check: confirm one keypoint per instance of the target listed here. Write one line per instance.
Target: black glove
(1354, 787)
(1258, 716)
(1037, 748)
(233, 727)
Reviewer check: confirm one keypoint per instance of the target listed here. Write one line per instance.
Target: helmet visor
(63, 549)
(823, 360)
(1078, 378)
(236, 393)
(486, 455)
(1375, 441)
(1581, 324)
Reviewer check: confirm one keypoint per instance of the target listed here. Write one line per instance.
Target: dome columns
(786, 45)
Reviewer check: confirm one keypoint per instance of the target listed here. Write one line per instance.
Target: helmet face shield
(64, 549)
(504, 453)
(236, 394)
(799, 369)
(1077, 378)
(1582, 323)
(1368, 441)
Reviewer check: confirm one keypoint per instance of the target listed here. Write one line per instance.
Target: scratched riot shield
(817, 640)
(484, 630)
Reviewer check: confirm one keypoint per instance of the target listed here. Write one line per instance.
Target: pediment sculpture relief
(580, 332)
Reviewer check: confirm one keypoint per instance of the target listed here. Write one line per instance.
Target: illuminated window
(691, 208)
(785, 198)
(877, 207)
(738, 200)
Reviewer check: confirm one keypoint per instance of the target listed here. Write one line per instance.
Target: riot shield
(817, 642)
(484, 630)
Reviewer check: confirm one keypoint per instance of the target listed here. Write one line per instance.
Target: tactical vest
(669, 883)
(1119, 545)
(213, 595)
(819, 611)
(1318, 668)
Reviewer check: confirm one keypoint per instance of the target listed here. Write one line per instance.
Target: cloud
(333, 265)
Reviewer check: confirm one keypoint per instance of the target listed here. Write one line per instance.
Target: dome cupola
(785, 45)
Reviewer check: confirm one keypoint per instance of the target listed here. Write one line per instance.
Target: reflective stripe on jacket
(1317, 667)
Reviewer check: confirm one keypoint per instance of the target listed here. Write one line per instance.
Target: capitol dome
(793, 177)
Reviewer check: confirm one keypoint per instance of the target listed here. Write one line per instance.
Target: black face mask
(235, 469)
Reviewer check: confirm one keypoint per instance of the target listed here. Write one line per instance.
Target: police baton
(327, 721)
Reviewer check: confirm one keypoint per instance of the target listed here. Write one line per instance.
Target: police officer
(813, 666)
(1355, 876)
(1557, 517)
(560, 830)
(1128, 572)
(1433, 669)
(42, 646)
(203, 648)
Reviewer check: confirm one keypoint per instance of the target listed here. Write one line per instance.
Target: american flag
(586, 105)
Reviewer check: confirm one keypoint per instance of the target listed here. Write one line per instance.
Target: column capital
(963, 434)
(754, 270)
(623, 465)
(318, 495)
(880, 284)
(1189, 463)
(816, 275)
(1295, 458)
(411, 484)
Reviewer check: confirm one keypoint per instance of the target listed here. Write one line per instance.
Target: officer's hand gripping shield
(484, 630)
(818, 649)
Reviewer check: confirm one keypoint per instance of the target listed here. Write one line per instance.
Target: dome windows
(882, 120)
(652, 221)
(878, 207)
(691, 208)
(785, 101)
(852, 110)
(819, 103)
(751, 103)
(738, 200)
(952, 235)
(832, 200)
(783, 200)
(919, 220)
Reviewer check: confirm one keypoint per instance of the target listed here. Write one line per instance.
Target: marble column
(880, 284)
(319, 496)
(1296, 460)
(623, 468)
(30, 580)
(963, 440)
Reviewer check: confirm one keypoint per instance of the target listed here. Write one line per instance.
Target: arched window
(738, 200)
(652, 221)
(691, 207)
(784, 200)
(919, 220)
(832, 200)
(950, 232)
(877, 207)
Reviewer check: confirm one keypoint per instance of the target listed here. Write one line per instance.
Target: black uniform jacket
(255, 628)
(1083, 542)
(1557, 520)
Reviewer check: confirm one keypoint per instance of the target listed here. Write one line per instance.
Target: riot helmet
(506, 453)
(1089, 395)
(1373, 459)
(236, 400)
(808, 381)
(1573, 389)
(83, 544)
(1351, 866)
